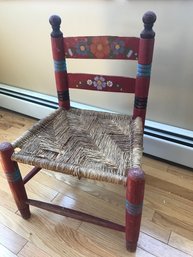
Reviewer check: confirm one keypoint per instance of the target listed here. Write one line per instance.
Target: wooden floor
(167, 224)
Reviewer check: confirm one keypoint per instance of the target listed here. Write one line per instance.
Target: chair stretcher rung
(75, 214)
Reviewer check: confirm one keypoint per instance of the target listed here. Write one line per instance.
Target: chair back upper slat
(102, 47)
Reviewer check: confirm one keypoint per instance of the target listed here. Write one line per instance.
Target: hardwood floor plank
(170, 187)
(160, 165)
(179, 183)
(13, 124)
(93, 206)
(7, 201)
(156, 231)
(43, 192)
(181, 243)
(170, 204)
(10, 119)
(5, 252)
(51, 238)
(11, 240)
(158, 248)
(34, 189)
(179, 226)
(108, 212)
(30, 250)
(171, 174)
(112, 241)
(182, 171)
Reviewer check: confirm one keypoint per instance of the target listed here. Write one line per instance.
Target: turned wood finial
(5, 148)
(148, 19)
(55, 22)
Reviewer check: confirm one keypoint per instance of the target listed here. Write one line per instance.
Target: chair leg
(134, 204)
(14, 179)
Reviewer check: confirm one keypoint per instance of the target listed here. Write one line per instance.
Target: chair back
(104, 47)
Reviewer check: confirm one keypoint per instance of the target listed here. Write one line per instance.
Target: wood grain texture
(181, 243)
(30, 250)
(5, 252)
(11, 240)
(158, 248)
(170, 179)
(173, 224)
(167, 224)
(112, 241)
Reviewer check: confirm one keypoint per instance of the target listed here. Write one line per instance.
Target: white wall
(26, 61)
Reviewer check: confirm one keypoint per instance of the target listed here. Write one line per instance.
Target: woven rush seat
(83, 143)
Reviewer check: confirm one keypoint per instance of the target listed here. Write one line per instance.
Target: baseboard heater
(160, 140)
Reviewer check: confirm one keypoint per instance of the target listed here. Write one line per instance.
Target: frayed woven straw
(96, 145)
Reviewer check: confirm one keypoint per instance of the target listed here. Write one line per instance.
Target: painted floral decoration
(89, 82)
(82, 48)
(100, 83)
(100, 47)
(109, 83)
(118, 46)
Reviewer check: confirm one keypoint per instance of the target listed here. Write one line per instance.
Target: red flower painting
(100, 47)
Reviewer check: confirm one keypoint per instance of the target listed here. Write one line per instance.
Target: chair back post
(146, 46)
(59, 62)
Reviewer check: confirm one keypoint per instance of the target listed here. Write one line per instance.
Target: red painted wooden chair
(96, 145)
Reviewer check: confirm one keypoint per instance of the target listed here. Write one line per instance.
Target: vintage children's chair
(90, 144)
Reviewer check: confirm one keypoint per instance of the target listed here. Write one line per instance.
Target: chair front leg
(134, 204)
(14, 179)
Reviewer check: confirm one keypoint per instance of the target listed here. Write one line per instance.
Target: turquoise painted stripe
(143, 70)
(133, 209)
(60, 65)
(14, 176)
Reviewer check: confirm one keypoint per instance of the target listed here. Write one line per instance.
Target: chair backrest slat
(102, 47)
(101, 82)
